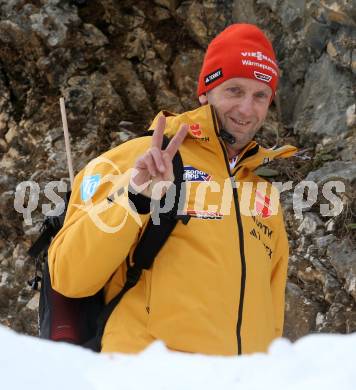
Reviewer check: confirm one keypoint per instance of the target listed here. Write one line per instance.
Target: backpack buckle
(33, 283)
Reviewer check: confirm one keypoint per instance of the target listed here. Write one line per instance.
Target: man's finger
(157, 137)
(176, 141)
(146, 164)
(157, 158)
(150, 164)
(168, 173)
(139, 180)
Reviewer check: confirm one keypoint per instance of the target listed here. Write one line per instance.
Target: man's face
(241, 105)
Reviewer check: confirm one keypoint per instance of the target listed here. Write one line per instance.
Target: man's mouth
(239, 122)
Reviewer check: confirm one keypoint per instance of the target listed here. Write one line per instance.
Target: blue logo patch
(194, 174)
(89, 186)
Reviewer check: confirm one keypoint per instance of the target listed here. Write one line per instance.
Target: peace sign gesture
(156, 164)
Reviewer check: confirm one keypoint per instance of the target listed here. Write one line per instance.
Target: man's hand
(156, 164)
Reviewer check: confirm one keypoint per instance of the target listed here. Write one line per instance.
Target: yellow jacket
(217, 286)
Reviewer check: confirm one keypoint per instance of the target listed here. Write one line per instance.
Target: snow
(314, 362)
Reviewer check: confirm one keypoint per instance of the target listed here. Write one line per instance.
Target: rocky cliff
(117, 63)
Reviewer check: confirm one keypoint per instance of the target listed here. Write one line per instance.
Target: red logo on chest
(263, 205)
(195, 130)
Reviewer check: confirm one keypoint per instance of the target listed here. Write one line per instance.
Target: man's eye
(234, 90)
(261, 95)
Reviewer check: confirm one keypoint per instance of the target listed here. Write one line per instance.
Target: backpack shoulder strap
(50, 227)
(151, 242)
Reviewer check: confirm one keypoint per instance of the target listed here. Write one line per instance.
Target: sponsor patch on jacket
(263, 205)
(217, 74)
(204, 214)
(197, 132)
(89, 186)
(194, 174)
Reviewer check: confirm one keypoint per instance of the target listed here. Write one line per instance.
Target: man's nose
(245, 105)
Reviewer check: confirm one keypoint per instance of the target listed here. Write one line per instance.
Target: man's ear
(203, 99)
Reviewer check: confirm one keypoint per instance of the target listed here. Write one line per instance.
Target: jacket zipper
(241, 239)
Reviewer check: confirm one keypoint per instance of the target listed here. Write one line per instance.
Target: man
(217, 285)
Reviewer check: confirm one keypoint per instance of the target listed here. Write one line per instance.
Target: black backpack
(82, 320)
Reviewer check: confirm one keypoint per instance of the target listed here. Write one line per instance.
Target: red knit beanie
(241, 50)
